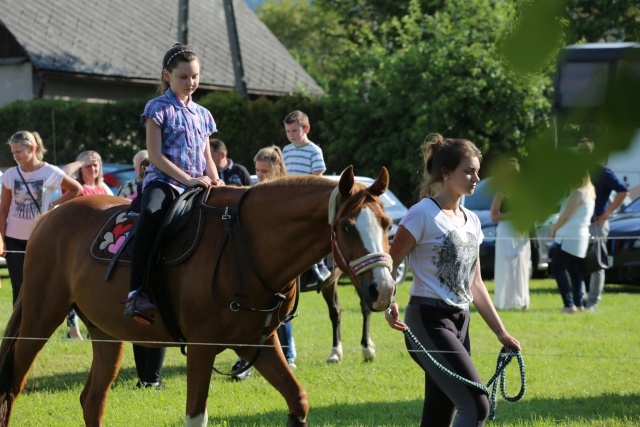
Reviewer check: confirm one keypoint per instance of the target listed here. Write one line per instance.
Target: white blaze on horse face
(370, 230)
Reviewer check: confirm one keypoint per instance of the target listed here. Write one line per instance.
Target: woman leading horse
(280, 229)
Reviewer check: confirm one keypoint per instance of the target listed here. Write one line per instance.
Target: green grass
(582, 370)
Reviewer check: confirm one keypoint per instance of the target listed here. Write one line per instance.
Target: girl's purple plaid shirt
(185, 133)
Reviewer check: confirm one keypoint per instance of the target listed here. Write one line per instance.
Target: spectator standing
(513, 254)
(88, 171)
(269, 165)
(442, 240)
(605, 182)
(177, 132)
(231, 173)
(303, 157)
(27, 191)
(129, 190)
(571, 236)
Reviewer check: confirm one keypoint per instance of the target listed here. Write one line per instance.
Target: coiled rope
(497, 380)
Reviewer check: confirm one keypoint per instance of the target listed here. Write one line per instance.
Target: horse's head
(360, 241)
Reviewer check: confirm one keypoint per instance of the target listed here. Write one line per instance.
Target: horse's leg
(330, 294)
(368, 346)
(273, 367)
(107, 356)
(200, 359)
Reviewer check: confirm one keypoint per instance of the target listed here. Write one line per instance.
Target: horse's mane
(300, 180)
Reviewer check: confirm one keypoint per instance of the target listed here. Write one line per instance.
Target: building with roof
(113, 49)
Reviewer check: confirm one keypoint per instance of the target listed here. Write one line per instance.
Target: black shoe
(236, 371)
(140, 308)
(158, 385)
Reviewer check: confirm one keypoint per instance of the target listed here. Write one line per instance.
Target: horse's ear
(346, 181)
(381, 184)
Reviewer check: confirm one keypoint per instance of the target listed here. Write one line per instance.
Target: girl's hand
(89, 159)
(392, 316)
(218, 183)
(203, 181)
(509, 341)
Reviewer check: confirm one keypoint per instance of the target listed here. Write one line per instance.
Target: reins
(498, 379)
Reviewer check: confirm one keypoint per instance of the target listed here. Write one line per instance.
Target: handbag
(597, 257)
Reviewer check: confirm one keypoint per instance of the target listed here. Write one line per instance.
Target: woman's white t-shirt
(23, 212)
(444, 259)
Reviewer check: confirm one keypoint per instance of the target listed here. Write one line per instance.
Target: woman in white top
(442, 239)
(571, 234)
(27, 191)
(513, 255)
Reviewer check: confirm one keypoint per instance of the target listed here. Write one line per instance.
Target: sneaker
(140, 308)
(291, 364)
(158, 385)
(323, 272)
(569, 310)
(236, 371)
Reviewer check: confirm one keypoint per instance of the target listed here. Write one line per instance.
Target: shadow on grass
(407, 413)
(62, 382)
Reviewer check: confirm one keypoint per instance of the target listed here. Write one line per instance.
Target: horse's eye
(345, 228)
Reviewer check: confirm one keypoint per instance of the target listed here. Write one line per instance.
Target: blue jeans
(566, 270)
(285, 335)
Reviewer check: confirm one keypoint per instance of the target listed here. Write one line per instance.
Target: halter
(359, 265)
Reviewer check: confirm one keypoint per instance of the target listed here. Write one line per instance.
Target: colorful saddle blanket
(117, 232)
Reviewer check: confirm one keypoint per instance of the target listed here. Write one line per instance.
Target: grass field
(582, 370)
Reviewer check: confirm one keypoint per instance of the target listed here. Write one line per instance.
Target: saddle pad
(118, 227)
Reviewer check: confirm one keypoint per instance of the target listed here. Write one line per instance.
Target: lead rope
(503, 360)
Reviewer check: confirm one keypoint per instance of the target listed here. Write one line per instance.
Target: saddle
(180, 235)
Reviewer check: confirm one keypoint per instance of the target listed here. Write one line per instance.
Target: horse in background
(283, 227)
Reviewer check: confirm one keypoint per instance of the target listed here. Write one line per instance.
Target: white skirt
(512, 267)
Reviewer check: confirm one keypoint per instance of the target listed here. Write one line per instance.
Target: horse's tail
(7, 353)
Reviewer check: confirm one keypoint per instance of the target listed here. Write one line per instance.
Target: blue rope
(498, 379)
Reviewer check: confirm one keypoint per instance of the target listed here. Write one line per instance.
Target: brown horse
(286, 226)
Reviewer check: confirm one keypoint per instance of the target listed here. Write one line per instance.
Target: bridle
(357, 266)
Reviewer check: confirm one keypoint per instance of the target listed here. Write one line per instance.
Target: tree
(602, 21)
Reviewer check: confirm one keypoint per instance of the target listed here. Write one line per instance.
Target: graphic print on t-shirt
(25, 206)
(456, 261)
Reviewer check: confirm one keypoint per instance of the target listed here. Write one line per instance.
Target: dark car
(480, 203)
(623, 244)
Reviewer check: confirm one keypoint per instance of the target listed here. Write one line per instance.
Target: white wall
(16, 82)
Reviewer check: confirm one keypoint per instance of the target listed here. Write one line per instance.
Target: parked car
(623, 244)
(392, 206)
(116, 174)
(480, 203)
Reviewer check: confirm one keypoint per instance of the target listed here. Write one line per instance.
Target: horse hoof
(293, 421)
(334, 358)
(368, 354)
(336, 355)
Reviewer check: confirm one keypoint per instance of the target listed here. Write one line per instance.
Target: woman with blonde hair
(27, 193)
(88, 167)
(571, 235)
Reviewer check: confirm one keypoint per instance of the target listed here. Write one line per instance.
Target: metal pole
(234, 45)
(183, 21)
(53, 131)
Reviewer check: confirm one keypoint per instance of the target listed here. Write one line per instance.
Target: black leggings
(157, 198)
(444, 330)
(15, 263)
(148, 363)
